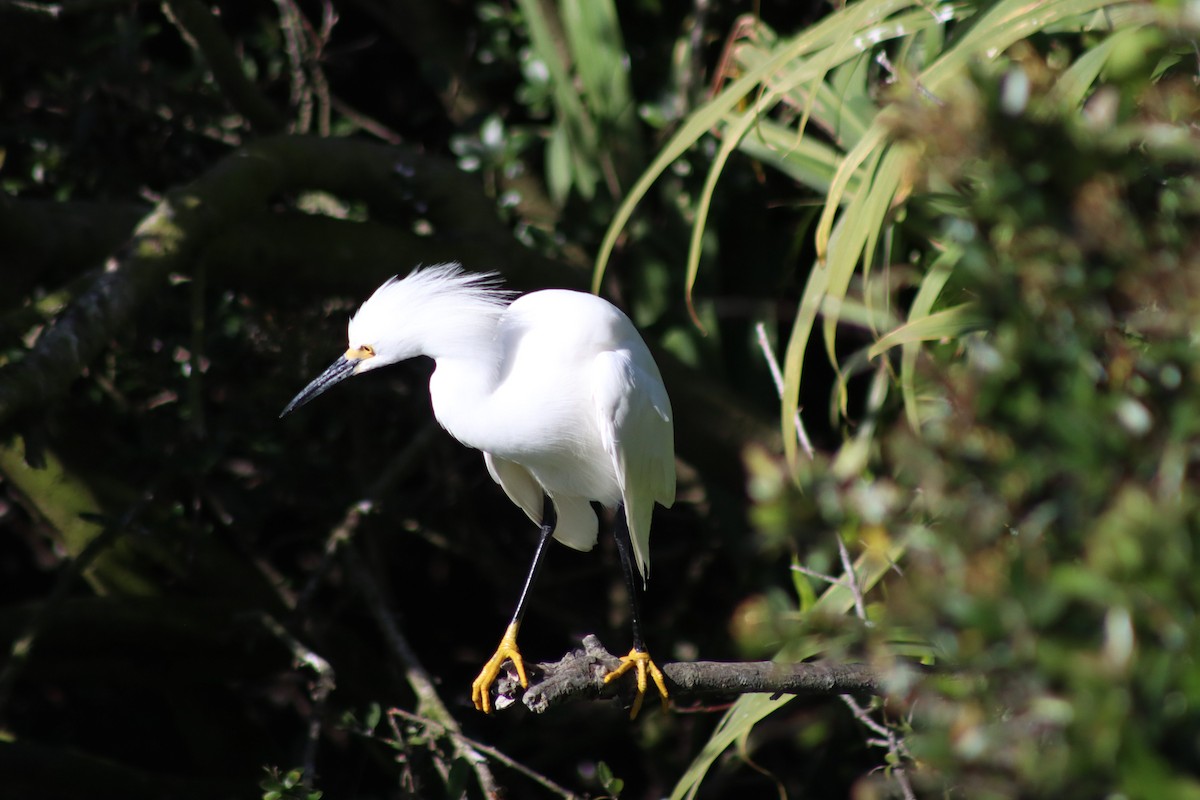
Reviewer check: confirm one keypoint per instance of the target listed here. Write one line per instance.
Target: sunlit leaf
(945, 324)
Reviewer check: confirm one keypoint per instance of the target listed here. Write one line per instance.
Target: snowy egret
(562, 396)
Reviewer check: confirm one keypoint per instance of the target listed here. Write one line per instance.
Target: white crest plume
(462, 306)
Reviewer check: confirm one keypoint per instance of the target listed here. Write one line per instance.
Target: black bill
(338, 371)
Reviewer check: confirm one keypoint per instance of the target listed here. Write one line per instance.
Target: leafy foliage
(1054, 477)
(1051, 526)
(287, 786)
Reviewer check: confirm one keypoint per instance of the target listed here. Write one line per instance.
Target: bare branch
(489, 751)
(890, 740)
(777, 375)
(303, 655)
(580, 676)
(429, 703)
(860, 607)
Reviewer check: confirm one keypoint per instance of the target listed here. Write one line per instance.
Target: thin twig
(821, 576)
(366, 123)
(201, 31)
(399, 467)
(890, 740)
(864, 716)
(849, 580)
(324, 96)
(324, 685)
(57, 10)
(487, 750)
(309, 93)
(50, 9)
(777, 376)
(429, 703)
(882, 60)
(300, 96)
(860, 607)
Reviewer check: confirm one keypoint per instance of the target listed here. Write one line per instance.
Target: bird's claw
(481, 694)
(640, 660)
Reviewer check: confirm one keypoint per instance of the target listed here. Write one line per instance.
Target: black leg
(508, 651)
(632, 578)
(638, 658)
(549, 520)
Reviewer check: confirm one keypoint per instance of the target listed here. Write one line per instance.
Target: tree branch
(203, 34)
(579, 675)
(242, 185)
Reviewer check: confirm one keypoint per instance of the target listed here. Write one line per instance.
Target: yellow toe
(640, 661)
(481, 694)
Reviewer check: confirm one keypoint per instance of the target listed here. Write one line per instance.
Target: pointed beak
(338, 371)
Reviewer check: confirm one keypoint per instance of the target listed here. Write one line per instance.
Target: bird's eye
(363, 351)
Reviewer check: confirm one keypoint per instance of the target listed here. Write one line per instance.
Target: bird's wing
(518, 483)
(575, 523)
(634, 416)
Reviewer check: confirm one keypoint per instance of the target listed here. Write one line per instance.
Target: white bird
(562, 396)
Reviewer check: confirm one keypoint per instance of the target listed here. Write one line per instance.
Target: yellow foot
(481, 694)
(641, 660)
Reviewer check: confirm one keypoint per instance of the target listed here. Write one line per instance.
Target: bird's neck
(460, 388)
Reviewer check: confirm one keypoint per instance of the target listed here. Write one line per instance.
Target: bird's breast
(542, 419)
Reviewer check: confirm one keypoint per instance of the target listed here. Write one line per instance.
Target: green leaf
(729, 143)
(945, 324)
(807, 160)
(829, 34)
(927, 294)
(611, 784)
(806, 598)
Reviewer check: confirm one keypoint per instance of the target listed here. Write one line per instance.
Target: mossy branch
(396, 185)
(242, 186)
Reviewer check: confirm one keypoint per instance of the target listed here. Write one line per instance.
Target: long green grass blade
(697, 124)
(793, 359)
(806, 159)
(945, 324)
(828, 32)
(922, 304)
(730, 140)
(1073, 85)
(599, 53)
(858, 244)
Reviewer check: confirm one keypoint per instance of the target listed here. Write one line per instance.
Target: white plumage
(556, 388)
